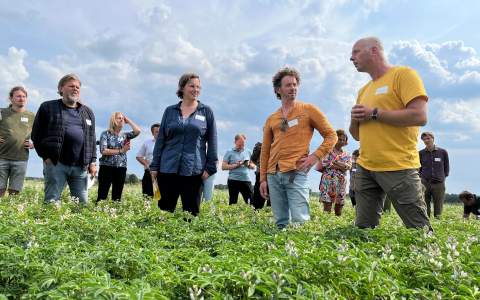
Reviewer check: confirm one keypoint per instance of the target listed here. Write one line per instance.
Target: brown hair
(240, 135)
(277, 78)
(341, 132)
(155, 125)
(465, 195)
(427, 133)
(66, 79)
(17, 88)
(182, 82)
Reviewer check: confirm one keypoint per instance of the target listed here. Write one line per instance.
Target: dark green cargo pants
(403, 187)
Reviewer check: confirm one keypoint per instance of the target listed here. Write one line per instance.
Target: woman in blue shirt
(114, 145)
(185, 152)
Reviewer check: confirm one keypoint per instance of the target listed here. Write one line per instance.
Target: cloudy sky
(130, 54)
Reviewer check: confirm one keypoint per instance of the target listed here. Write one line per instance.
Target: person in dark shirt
(471, 204)
(185, 151)
(258, 200)
(434, 169)
(64, 136)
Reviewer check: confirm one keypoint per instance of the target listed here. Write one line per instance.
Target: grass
(131, 250)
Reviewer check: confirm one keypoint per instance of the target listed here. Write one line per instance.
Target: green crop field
(131, 250)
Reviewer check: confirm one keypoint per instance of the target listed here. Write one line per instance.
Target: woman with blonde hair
(114, 145)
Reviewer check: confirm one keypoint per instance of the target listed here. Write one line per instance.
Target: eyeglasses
(284, 125)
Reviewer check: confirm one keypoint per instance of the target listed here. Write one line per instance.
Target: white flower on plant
(271, 247)
(387, 253)
(452, 245)
(436, 263)
(291, 249)
(195, 292)
(205, 269)
(458, 274)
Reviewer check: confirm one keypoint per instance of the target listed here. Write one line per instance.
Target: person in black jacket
(64, 137)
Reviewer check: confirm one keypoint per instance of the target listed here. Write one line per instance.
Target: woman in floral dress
(334, 168)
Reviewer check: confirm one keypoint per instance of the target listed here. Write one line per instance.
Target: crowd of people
(181, 157)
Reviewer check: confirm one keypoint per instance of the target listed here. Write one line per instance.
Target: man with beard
(64, 137)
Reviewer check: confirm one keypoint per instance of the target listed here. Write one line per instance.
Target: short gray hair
(66, 79)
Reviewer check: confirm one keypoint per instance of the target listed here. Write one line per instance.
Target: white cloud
(460, 112)
(12, 69)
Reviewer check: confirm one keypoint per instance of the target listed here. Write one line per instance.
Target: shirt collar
(200, 105)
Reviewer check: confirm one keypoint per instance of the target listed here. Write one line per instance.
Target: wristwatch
(374, 116)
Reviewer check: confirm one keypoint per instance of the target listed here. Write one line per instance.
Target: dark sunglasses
(284, 125)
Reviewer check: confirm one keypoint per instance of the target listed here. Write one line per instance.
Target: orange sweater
(282, 150)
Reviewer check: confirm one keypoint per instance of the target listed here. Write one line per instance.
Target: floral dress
(333, 182)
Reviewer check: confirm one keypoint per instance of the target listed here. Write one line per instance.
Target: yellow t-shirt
(385, 147)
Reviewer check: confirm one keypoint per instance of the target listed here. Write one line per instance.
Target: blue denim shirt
(181, 146)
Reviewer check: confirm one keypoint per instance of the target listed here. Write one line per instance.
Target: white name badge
(437, 159)
(24, 119)
(293, 122)
(381, 90)
(200, 118)
(89, 122)
(354, 170)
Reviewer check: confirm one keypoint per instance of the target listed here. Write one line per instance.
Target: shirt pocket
(199, 126)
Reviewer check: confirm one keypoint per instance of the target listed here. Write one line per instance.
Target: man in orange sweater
(285, 156)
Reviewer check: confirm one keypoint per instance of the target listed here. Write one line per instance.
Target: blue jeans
(13, 172)
(207, 190)
(289, 198)
(56, 176)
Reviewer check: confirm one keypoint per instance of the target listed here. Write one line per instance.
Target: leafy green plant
(132, 250)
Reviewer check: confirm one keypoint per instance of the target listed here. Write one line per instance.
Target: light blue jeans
(289, 199)
(207, 190)
(13, 172)
(56, 176)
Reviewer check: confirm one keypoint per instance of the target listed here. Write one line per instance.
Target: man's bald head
(371, 42)
(368, 53)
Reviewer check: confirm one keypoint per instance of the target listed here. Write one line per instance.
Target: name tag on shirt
(200, 118)
(381, 90)
(24, 119)
(437, 159)
(354, 170)
(89, 122)
(293, 122)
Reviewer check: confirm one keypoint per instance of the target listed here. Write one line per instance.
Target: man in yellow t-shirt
(386, 119)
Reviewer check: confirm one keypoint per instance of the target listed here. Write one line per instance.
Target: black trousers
(147, 187)
(258, 201)
(187, 187)
(351, 194)
(236, 186)
(111, 176)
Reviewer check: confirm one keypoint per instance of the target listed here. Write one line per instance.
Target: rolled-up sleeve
(320, 122)
(265, 152)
